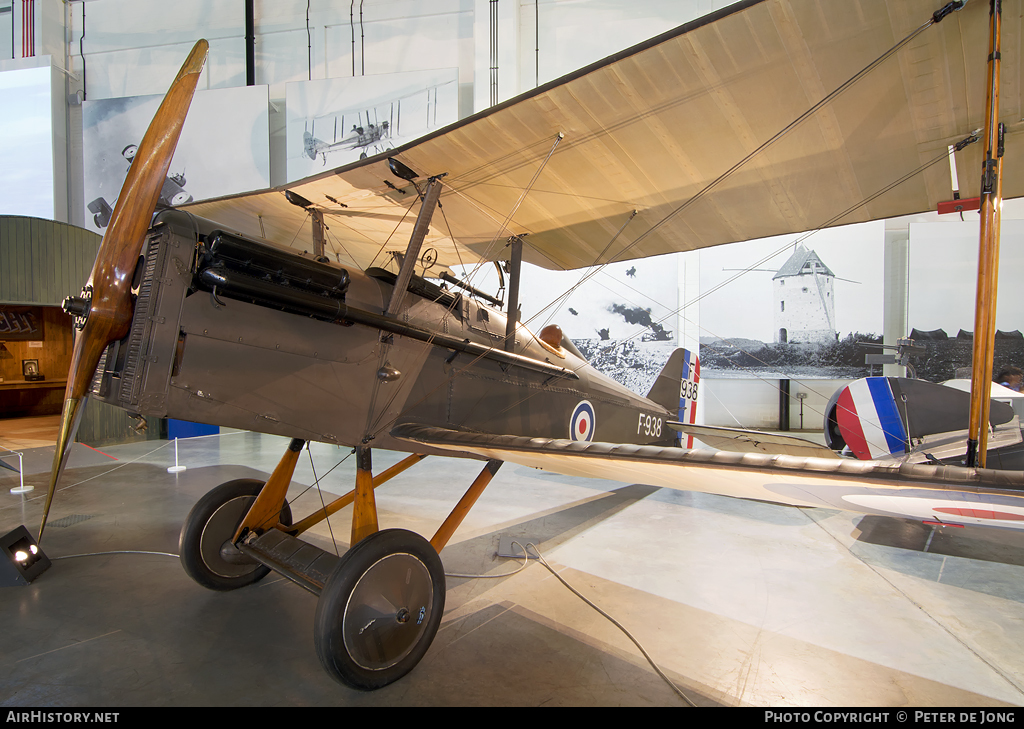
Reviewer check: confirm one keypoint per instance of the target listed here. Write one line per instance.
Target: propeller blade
(107, 307)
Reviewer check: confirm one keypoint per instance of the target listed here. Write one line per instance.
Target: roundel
(581, 425)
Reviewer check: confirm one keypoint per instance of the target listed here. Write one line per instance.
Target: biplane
(765, 117)
(371, 137)
(375, 127)
(172, 193)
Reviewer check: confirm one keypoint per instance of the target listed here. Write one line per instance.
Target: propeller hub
(79, 307)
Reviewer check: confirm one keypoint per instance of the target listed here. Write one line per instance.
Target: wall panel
(41, 262)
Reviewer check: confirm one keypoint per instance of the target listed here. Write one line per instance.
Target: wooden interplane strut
(988, 255)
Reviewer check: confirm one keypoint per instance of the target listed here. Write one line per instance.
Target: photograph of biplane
(346, 119)
(328, 310)
(113, 128)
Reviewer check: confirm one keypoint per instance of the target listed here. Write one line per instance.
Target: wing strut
(412, 253)
(445, 531)
(988, 253)
(515, 269)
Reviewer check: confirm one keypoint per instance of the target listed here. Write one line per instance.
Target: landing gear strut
(380, 603)
(205, 545)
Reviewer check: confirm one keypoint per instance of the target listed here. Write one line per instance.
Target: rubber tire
(376, 551)
(238, 496)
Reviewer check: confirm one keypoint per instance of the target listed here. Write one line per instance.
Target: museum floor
(741, 603)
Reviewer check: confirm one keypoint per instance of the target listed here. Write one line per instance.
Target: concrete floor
(741, 603)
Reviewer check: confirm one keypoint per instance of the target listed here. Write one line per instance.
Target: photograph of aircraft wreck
(675, 372)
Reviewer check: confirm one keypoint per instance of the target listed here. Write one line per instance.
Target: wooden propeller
(104, 312)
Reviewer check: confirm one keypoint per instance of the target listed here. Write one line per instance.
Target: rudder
(676, 388)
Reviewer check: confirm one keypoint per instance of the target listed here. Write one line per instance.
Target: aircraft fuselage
(245, 352)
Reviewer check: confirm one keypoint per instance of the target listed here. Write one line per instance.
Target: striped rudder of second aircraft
(869, 419)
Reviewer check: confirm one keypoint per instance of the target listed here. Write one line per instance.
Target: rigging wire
(718, 180)
(316, 482)
(395, 230)
(970, 139)
(788, 128)
(936, 17)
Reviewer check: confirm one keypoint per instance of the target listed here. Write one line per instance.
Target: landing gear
(207, 553)
(380, 604)
(380, 609)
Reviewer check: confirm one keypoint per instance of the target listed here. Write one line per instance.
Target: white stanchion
(22, 489)
(176, 468)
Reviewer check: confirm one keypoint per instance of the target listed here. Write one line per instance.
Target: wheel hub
(378, 627)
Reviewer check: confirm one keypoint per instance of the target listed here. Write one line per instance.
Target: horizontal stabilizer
(753, 441)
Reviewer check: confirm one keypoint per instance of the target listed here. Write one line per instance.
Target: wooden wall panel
(41, 262)
(54, 355)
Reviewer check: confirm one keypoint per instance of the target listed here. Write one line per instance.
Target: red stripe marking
(100, 452)
(979, 513)
(850, 427)
(693, 405)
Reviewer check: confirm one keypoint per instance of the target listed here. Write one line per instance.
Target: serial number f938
(649, 425)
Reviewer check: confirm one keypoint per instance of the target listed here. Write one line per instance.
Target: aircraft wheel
(206, 551)
(380, 609)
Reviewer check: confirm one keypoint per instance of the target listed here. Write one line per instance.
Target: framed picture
(29, 367)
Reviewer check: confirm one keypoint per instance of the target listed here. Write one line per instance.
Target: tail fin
(676, 387)
(883, 416)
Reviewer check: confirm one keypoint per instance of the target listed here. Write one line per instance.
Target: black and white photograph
(623, 317)
(224, 148)
(335, 121)
(792, 305)
(943, 266)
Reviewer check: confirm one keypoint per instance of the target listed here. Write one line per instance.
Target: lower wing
(943, 494)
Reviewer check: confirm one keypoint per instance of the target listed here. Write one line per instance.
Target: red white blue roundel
(581, 425)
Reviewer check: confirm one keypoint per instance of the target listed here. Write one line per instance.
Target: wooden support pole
(265, 511)
(988, 257)
(343, 501)
(444, 533)
(364, 515)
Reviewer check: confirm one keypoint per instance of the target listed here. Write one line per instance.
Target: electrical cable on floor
(119, 551)
(526, 562)
(614, 622)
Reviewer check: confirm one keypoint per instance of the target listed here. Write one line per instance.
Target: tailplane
(676, 388)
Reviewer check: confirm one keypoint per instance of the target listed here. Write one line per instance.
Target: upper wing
(653, 129)
(946, 494)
